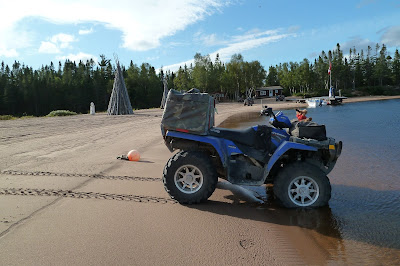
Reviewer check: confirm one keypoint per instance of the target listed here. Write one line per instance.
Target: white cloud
(12, 40)
(142, 23)
(78, 57)
(56, 43)
(8, 52)
(152, 58)
(86, 32)
(358, 43)
(48, 48)
(210, 39)
(294, 29)
(254, 34)
(63, 40)
(177, 44)
(391, 37)
(247, 44)
(239, 44)
(175, 67)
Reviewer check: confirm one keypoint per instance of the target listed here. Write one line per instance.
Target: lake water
(361, 225)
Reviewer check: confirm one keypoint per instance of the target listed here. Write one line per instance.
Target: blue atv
(276, 154)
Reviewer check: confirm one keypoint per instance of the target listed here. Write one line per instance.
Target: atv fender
(282, 149)
(224, 147)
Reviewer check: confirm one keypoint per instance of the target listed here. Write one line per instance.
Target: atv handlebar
(267, 112)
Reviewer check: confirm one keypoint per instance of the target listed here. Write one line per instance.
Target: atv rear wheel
(189, 177)
(302, 185)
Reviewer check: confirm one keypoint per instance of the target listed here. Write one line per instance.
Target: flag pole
(330, 80)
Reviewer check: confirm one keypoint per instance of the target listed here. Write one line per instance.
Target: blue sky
(167, 34)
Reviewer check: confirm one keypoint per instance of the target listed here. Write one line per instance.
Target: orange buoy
(133, 155)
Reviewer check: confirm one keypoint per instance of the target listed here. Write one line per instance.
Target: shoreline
(234, 109)
(277, 105)
(369, 98)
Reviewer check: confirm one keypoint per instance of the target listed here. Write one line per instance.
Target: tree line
(358, 73)
(72, 86)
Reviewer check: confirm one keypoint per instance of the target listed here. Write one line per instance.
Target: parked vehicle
(280, 97)
(296, 165)
(249, 101)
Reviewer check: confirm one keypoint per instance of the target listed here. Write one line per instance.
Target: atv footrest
(243, 172)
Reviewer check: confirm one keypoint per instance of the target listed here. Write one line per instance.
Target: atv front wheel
(189, 177)
(302, 185)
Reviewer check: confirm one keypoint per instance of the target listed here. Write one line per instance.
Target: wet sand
(66, 199)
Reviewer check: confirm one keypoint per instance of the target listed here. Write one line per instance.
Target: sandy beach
(66, 200)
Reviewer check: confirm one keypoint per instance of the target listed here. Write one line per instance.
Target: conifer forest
(74, 85)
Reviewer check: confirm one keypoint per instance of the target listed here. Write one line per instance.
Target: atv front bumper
(335, 148)
(329, 150)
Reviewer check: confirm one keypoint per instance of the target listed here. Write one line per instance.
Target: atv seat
(244, 136)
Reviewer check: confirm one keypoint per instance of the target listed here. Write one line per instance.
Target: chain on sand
(99, 176)
(82, 195)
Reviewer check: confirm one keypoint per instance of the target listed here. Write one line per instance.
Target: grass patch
(27, 116)
(61, 113)
(7, 117)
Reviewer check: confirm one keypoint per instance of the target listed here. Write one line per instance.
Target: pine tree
(396, 68)
(381, 67)
(272, 77)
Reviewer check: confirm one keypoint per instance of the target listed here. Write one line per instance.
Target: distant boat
(314, 102)
(325, 100)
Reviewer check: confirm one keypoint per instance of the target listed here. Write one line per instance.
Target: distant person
(301, 115)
